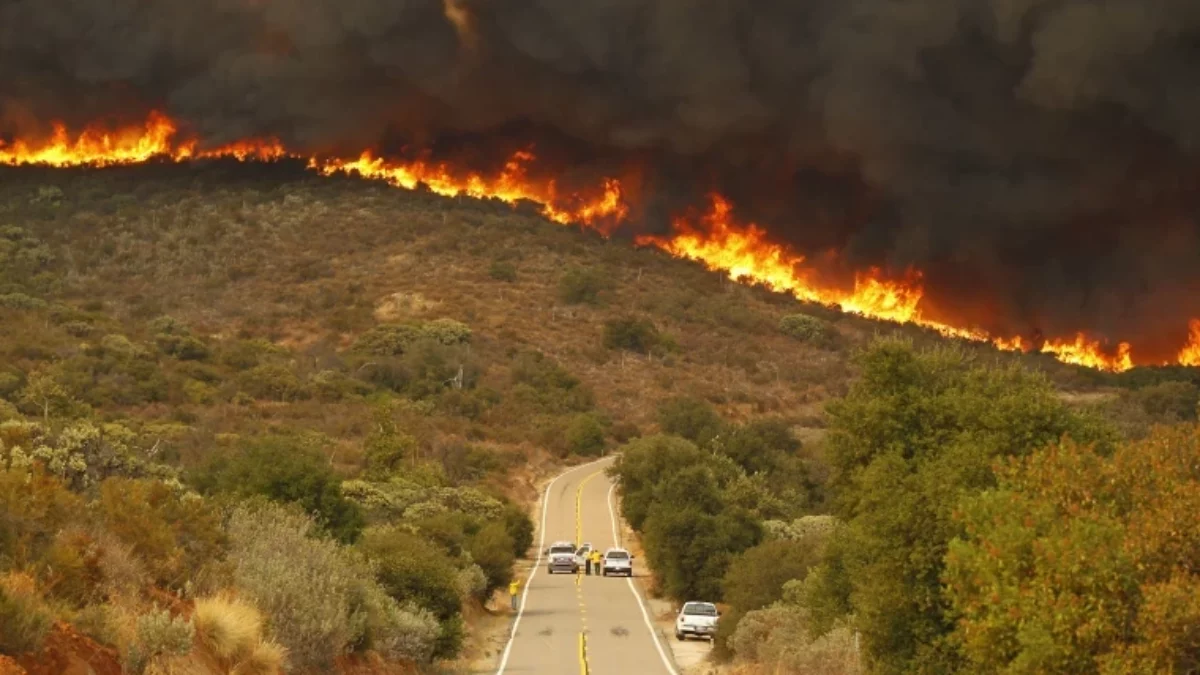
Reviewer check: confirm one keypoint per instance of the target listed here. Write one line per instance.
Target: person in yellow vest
(513, 588)
(596, 558)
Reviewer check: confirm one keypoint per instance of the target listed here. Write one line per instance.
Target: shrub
(691, 418)
(393, 339)
(229, 627)
(397, 632)
(21, 301)
(502, 270)
(492, 549)
(158, 633)
(635, 335)
(582, 286)
(585, 436)
(24, 621)
(266, 658)
(282, 469)
(520, 528)
(756, 579)
(807, 328)
(446, 331)
(34, 507)
(409, 569)
(273, 382)
(548, 386)
(174, 534)
(301, 582)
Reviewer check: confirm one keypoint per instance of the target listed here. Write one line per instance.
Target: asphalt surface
(591, 625)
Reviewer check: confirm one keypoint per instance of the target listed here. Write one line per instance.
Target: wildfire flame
(743, 251)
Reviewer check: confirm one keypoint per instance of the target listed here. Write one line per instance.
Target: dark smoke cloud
(1036, 158)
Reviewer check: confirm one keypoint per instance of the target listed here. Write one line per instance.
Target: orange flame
(743, 251)
(512, 185)
(1190, 354)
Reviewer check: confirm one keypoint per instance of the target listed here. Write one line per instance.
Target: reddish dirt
(10, 667)
(66, 652)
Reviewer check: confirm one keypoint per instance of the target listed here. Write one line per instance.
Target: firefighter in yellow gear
(596, 559)
(513, 588)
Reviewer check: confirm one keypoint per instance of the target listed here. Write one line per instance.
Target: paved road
(579, 624)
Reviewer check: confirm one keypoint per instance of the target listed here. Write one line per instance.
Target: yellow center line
(583, 662)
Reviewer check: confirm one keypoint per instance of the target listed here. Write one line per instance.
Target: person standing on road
(595, 558)
(513, 587)
(587, 562)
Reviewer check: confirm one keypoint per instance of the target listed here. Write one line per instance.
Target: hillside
(403, 365)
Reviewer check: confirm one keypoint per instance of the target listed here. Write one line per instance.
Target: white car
(582, 554)
(560, 557)
(697, 619)
(617, 561)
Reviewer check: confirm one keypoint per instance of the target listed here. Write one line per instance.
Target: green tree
(585, 435)
(691, 418)
(283, 469)
(1082, 563)
(808, 329)
(756, 577)
(581, 285)
(492, 549)
(917, 432)
(411, 570)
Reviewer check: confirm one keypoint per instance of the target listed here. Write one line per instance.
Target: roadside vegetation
(265, 421)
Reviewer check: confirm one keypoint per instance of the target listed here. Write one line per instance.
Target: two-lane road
(579, 624)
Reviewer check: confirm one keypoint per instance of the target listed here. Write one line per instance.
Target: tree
(284, 470)
(691, 418)
(1081, 563)
(756, 577)
(45, 394)
(585, 435)
(917, 432)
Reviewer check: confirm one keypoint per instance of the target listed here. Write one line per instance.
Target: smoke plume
(1036, 159)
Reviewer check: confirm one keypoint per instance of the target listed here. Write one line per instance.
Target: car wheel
(680, 636)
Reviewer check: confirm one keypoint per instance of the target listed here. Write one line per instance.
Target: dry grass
(266, 658)
(230, 628)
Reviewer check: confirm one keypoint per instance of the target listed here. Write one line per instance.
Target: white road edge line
(612, 514)
(537, 564)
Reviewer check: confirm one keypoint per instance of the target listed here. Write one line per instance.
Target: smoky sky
(1038, 160)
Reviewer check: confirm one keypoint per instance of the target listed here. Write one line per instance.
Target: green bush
(581, 285)
(520, 528)
(691, 418)
(636, 335)
(272, 382)
(502, 270)
(547, 386)
(585, 435)
(305, 585)
(492, 549)
(756, 578)
(393, 339)
(412, 570)
(807, 328)
(158, 633)
(21, 301)
(282, 469)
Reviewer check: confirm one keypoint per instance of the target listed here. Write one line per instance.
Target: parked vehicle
(560, 557)
(697, 619)
(582, 553)
(617, 561)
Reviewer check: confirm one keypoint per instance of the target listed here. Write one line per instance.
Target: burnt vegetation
(204, 366)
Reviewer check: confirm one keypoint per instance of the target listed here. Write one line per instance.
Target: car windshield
(700, 609)
(618, 555)
(562, 549)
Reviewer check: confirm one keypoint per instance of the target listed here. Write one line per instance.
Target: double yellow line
(583, 662)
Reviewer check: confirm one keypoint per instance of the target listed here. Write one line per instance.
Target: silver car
(697, 619)
(617, 561)
(560, 557)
